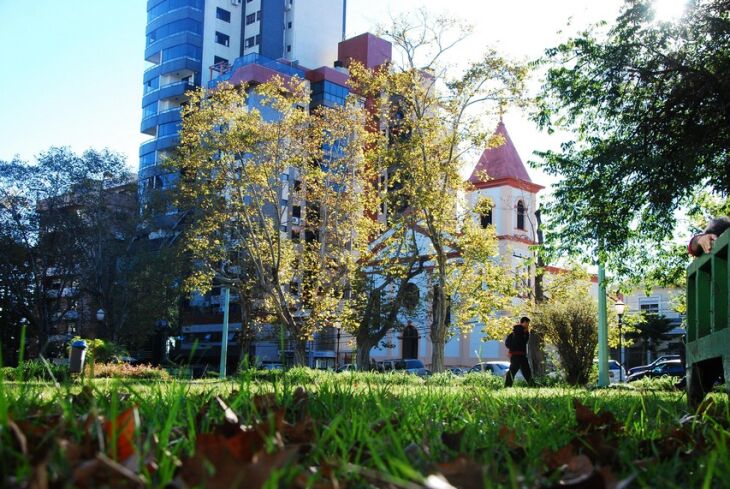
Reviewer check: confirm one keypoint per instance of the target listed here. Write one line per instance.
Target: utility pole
(224, 334)
(602, 328)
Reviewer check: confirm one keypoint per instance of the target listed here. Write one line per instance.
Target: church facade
(501, 176)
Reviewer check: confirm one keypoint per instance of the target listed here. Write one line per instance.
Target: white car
(616, 372)
(499, 368)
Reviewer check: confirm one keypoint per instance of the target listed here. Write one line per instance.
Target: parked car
(348, 367)
(616, 372)
(672, 368)
(456, 370)
(272, 366)
(412, 366)
(499, 368)
(386, 366)
(644, 368)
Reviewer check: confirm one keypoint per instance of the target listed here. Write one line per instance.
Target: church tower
(501, 176)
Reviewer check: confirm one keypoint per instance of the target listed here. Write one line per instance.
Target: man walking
(516, 343)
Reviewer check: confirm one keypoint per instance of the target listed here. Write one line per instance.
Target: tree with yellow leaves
(433, 117)
(242, 150)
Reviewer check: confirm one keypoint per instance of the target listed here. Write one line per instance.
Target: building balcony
(173, 91)
(173, 66)
(159, 144)
(151, 52)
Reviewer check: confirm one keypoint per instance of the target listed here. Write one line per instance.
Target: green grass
(370, 429)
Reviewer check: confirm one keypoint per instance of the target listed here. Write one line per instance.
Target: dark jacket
(517, 340)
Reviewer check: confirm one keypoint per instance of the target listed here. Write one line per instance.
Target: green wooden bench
(708, 334)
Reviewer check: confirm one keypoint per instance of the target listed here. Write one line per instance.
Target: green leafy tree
(647, 105)
(63, 228)
(651, 330)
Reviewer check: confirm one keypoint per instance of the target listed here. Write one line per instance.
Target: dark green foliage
(648, 104)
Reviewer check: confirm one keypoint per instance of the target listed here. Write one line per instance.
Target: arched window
(410, 342)
(520, 215)
(486, 218)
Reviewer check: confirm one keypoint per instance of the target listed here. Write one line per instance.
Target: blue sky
(72, 72)
(72, 69)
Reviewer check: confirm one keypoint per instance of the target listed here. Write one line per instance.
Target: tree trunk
(362, 358)
(246, 338)
(438, 330)
(300, 352)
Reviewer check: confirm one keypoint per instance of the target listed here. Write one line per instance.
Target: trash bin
(76, 359)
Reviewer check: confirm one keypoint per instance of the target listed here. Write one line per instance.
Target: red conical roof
(500, 162)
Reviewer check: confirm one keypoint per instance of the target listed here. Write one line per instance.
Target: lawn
(324, 430)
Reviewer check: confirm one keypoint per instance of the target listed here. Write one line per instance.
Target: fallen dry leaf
(120, 434)
(463, 473)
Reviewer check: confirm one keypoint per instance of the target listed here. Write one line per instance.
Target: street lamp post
(338, 327)
(620, 307)
(100, 316)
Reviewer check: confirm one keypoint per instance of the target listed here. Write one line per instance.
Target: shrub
(664, 383)
(125, 370)
(483, 379)
(35, 370)
(571, 326)
(442, 379)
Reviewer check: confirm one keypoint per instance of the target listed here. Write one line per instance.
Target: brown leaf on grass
(556, 459)
(215, 466)
(39, 477)
(509, 438)
(299, 432)
(36, 436)
(463, 473)
(380, 425)
(322, 477)
(105, 472)
(601, 450)
(264, 402)
(120, 434)
(589, 421)
(452, 441)
(19, 436)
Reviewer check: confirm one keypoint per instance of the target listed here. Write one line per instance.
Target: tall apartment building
(189, 42)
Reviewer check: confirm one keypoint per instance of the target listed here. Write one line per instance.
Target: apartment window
(288, 25)
(222, 14)
(649, 307)
(217, 60)
(297, 185)
(221, 38)
(296, 236)
(250, 19)
(258, 39)
(250, 42)
(288, 48)
(258, 15)
(249, 1)
(296, 211)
